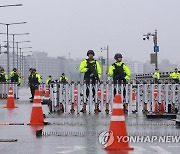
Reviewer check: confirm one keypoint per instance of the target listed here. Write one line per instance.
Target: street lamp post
(107, 50)
(156, 47)
(14, 43)
(17, 45)
(8, 24)
(21, 58)
(23, 62)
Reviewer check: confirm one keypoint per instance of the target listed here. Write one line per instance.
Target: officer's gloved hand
(18, 84)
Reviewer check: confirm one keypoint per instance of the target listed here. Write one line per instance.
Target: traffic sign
(156, 48)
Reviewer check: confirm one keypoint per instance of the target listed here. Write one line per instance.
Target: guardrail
(4, 87)
(137, 97)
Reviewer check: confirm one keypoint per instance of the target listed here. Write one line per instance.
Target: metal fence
(4, 88)
(138, 97)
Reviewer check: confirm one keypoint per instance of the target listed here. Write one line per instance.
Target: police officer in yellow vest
(63, 78)
(175, 76)
(49, 80)
(92, 72)
(3, 76)
(156, 76)
(34, 81)
(15, 77)
(120, 73)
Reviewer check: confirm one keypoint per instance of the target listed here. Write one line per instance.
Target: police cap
(90, 52)
(14, 69)
(117, 55)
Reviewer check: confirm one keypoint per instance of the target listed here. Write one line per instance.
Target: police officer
(63, 78)
(156, 76)
(175, 76)
(120, 73)
(34, 81)
(92, 72)
(49, 80)
(3, 76)
(15, 77)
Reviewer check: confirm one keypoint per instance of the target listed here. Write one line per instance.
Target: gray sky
(61, 26)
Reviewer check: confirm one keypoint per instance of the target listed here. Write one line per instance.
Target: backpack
(119, 73)
(92, 71)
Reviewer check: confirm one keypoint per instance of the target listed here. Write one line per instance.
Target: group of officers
(91, 68)
(35, 80)
(175, 76)
(14, 76)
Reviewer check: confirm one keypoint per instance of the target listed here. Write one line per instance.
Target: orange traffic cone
(133, 100)
(162, 108)
(47, 93)
(104, 95)
(156, 107)
(75, 96)
(155, 93)
(37, 117)
(118, 126)
(99, 93)
(10, 99)
(41, 91)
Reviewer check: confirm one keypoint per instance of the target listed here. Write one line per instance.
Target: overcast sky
(61, 26)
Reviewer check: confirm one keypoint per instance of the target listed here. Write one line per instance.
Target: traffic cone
(10, 99)
(99, 93)
(47, 93)
(75, 96)
(155, 93)
(118, 126)
(156, 107)
(133, 101)
(162, 108)
(104, 95)
(41, 92)
(37, 117)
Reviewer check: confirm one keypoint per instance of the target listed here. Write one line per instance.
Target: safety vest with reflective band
(156, 75)
(175, 75)
(48, 81)
(35, 78)
(91, 68)
(119, 71)
(15, 77)
(3, 77)
(63, 79)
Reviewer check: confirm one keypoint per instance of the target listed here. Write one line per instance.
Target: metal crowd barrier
(4, 88)
(138, 97)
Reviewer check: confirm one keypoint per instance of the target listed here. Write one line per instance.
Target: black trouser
(176, 80)
(124, 87)
(87, 88)
(33, 88)
(156, 80)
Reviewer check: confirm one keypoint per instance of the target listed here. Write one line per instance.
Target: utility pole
(156, 47)
(107, 63)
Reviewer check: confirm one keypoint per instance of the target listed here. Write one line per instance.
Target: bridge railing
(138, 97)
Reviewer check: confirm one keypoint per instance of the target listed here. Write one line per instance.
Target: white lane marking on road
(70, 149)
(174, 146)
(160, 150)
